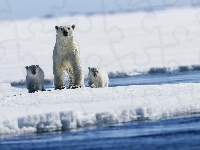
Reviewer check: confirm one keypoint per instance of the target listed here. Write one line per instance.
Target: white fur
(66, 57)
(101, 80)
(35, 82)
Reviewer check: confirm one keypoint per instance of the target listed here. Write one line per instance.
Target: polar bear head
(93, 71)
(32, 70)
(65, 31)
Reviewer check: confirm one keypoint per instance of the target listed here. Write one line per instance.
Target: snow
(71, 109)
(161, 39)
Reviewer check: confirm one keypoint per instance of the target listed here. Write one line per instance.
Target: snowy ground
(130, 42)
(22, 112)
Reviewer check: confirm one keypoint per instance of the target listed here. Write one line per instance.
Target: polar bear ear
(26, 67)
(73, 26)
(56, 27)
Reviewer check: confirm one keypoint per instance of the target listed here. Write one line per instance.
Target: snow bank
(70, 109)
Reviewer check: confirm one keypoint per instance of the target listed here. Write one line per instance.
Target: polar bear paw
(93, 86)
(75, 86)
(60, 88)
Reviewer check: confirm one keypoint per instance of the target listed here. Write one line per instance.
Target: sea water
(182, 132)
(175, 133)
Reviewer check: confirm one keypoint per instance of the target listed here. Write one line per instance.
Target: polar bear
(97, 77)
(66, 57)
(34, 78)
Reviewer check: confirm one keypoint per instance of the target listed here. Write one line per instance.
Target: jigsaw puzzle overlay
(126, 38)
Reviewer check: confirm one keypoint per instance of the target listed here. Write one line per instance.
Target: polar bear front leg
(71, 77)
(77, 74)
(30, 87)
(40, 86)
(58, 78)
(93, 86)
(100, 84)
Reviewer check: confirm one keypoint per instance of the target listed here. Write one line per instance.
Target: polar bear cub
(66, 57)
(34, 78)
(97, 77)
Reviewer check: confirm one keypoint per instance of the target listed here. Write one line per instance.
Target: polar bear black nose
(33, 71)
(95, 73)
(65, 33)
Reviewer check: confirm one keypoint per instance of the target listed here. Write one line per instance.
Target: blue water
(169, 134)
(153, 79)
(163, 134)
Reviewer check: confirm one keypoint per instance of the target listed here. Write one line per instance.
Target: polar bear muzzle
(65, 33)
(33, 69)
(95, 73)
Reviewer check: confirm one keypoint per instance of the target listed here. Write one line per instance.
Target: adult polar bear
(66, 57)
